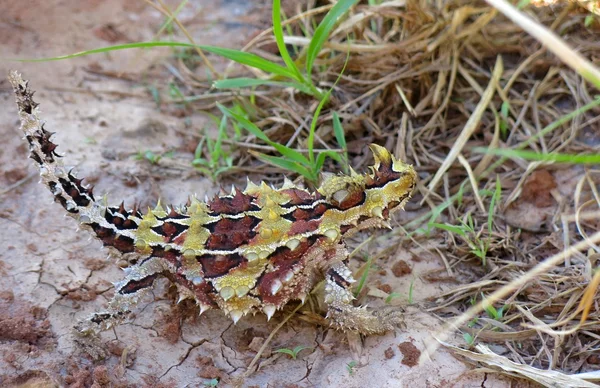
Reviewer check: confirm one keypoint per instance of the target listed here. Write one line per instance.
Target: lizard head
(368, 200)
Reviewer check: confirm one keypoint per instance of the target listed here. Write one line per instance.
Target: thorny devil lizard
(253, 250)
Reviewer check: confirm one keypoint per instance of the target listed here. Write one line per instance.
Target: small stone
(400, 268)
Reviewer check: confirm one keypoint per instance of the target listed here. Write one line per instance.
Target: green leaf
(505, 109)
(363, 278)
(236, 83)
(241, 57)
(350, 367)
(286, 164)
(217, 150)
(323, 155)
(278, 32)
(289, 352)
(338, 131)
(589, 19)
(211, 383)
(469, 339)
(323, 30)
(504, 112)
(249, 59)
(549, 157)
(168, 24)
(300, 348)
(253, 129)
(292, 352)
(493, 201)
(450, 228)
(313, 126)
(392, 296)
(340, 136)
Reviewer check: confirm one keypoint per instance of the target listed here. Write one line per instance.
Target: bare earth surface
(51, 276)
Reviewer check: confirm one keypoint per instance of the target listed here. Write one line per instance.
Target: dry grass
(432, 82)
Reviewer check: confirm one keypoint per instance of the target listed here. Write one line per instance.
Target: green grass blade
(236, 83)
(169, 22)
(493, 202)
(321, 159)
(323, 30)
(340, 136)
(338, 131)
(241, 57)
(250, 59)
(289, 352)
(286, 164)
(217, 149)
(278, 32)
(244, 122)
(450, 228)
(549, 157)
(364, 276)
(253, 129)
(313, 126)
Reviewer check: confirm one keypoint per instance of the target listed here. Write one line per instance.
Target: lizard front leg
(346, 317)
(138, 282)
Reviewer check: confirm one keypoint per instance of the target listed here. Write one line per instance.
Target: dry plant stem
(469, 128)
(284, 23)
(473, 181)
(487, 158)
(250, 370)
(547, 378)
(552, 41)
(539, 269)
(17, 184)
(164, 9)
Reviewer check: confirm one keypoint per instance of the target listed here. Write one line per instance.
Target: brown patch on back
(283, 257)
(228, 234)
(202, 291)
(172, 255)
(310, 214)
(356, 197)
(136, 285)
(298, 197)
(170, 230)
(179, 240)
(300, 227)
(382, 175)
(109, 238)
(239, 203)
(283, 260)
(72, 191)
(111, 217)
(345, 228)
(46, 145)
(214, 266)
(265, 285)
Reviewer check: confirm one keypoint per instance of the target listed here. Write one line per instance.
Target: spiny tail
(113, 225)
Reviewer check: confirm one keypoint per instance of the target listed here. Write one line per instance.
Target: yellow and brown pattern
(253, 250)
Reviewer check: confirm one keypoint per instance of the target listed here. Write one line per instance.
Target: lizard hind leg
(346, 317)
(138, 282)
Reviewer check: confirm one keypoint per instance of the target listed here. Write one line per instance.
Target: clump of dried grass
(432, 82)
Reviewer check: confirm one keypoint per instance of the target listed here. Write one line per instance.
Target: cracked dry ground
(50, 276)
